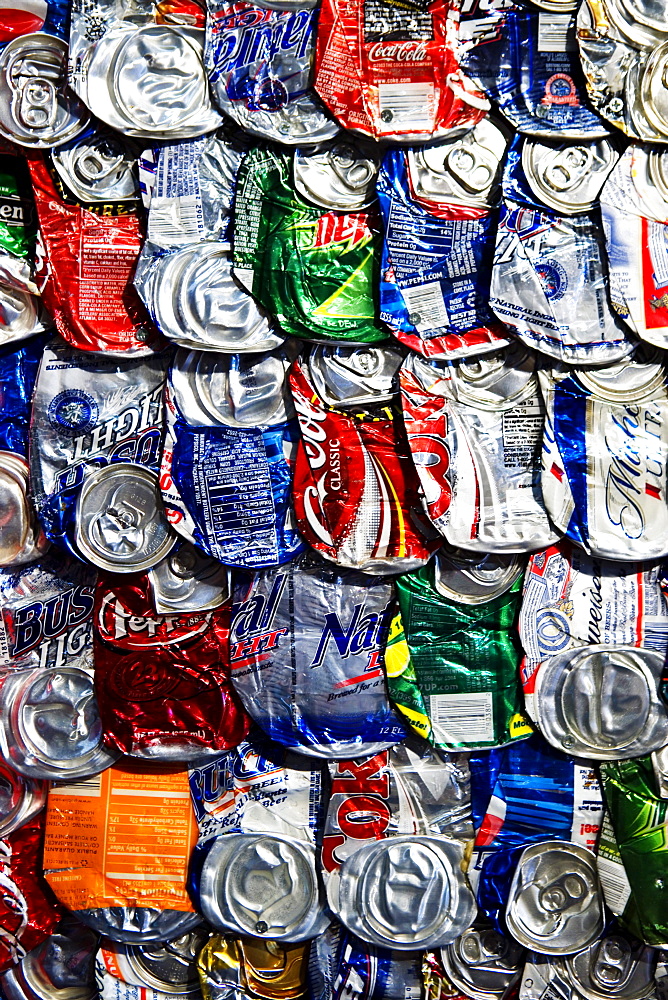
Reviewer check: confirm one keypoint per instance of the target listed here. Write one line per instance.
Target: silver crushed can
(164, 968)
(339, 176)
(474, 428)
(138, 924)
(602, 702)
(483, 963)
(99, 167)
(21, 538)
(21, 798)
(568, 178)
(187, 580)
(345, 375)
(120, 521)
(555, 904)
(60, 968)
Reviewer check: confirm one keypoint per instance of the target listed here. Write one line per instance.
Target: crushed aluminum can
(120, 524)
(50, 726)
(568, 178)
(394, 75)
(340, 176)
(474, 428)
(206, 308)
(253, 871)
(18, 227)
(21, 798)
(100, 879)
(344, 375)
(259, 60)
(87, 280)
(354, 493)
(634, 210)
(27, 914)
(231, 967)
(394, 881)
(527, 63)
(146, 81)
(549, 285)
(508, 815)
(545, 978)
(164, 967)
(459, 176)
(37, 109)
(98, 167)
(340, 964)
(571, 599)
(555, 903)
(615, 966)
(602, 702)
(187, 580)
(474, 578)
(329, 290)
(306, 646)
(660, 766)
(89, 410)
(228, 454)
(408, 892)
(482, 963)
(162, 680)
(21, 540)
(60, 968)
(435, 271)
(458, 695)
(598, 421)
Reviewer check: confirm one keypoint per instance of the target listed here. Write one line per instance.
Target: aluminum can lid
(483, 963)
(615, 966)
(474, 577)
(349, 375)
(138, 924)
(568, 178)
(188, 580)
(340, 176)
(99, 167)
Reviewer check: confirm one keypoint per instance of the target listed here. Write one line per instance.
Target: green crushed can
(639, 821)
(316, 271)
(453, 665)
(18, 218)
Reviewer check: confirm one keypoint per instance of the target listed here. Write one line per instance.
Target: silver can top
(188, 580)
(473, 577)
(555, 905)
(340, 176)
(21, 798)
(638, 377)
(495, 381)
(120, 522)
(168, 967)
(99, 168)
(138, 924)
(615, 966)
(483, 963)
(347, 375)
(568, 178)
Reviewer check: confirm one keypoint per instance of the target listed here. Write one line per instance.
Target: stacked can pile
(333, 519)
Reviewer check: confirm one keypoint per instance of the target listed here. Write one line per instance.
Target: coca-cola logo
(412, 52)
(118, 625)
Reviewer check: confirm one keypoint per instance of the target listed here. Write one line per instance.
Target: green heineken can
(453, 654)
(317, 271)
(18, 222)
(639, 837)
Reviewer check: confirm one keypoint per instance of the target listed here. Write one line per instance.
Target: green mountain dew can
(317, 271)
(453, 655)
(639, 821)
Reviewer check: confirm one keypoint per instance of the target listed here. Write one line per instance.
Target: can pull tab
(568, 168)
(470, 168)
(35, 102)
(354, 172)
(612, 963)
(565, 893)
(93, 165)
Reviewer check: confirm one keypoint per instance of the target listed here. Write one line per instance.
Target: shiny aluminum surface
(483, 963)
(341, 176)
(37, 109)
(120, 523)
(601, 702)
(660, 768)
(653, 92)
(168, 967)
(495, 381)
(60, 968)
(99, 167)
(406, 892)
(15, 514)
(555, 904)
(187, 580)
(50, 725)
(568, 178)
(346, 375)
(138, 924)
(615, 966)
(262, 885)
(21, 798)
(472, 577)
(463, 170)
(19, 315)
(639, 377)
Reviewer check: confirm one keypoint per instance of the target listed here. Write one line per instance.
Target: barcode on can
(554, 33)
(407, 105)
(87, 786)
(463, 718)
(614, 882)
(175, 220)
(426, 306)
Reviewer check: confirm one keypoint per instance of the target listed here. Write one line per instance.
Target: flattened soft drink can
(157, 970)
(60, 968)
(474, 427)
(436, 272)
(454, 674)
(392, 73)
(340, 176)
(354, 493)
(328, 290)
(228, 456)
(306, 654)
(604, 458)
(230, 967)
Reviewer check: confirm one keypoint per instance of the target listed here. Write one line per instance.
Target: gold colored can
(266, 970)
